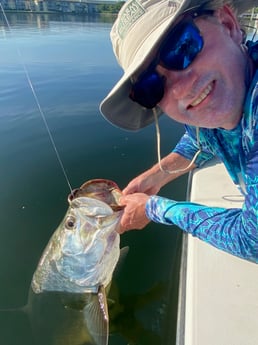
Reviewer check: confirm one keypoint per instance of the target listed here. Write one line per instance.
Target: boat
(218, 292)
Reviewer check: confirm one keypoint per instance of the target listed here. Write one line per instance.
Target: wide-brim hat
(136, 33)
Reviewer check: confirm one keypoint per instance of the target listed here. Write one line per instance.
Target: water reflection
(42, 20)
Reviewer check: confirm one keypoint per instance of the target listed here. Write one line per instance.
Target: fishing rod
(35, 96)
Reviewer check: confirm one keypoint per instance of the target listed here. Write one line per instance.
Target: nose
(177, 83)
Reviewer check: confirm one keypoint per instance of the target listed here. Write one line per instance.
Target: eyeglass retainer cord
(158, 148)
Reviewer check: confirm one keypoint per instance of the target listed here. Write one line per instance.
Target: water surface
(71, 65)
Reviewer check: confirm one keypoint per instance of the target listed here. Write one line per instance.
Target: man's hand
(134, 216)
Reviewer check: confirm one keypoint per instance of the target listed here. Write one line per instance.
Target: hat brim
(117, 107)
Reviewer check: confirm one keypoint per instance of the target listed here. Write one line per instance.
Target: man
(187, 58)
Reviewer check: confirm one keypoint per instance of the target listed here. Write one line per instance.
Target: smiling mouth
(202, 96)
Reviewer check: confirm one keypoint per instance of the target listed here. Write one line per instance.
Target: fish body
(67, 302)
(83, 252)
(55, 318)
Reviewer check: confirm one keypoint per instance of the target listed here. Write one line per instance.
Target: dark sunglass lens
(148, 90)
(182, 46)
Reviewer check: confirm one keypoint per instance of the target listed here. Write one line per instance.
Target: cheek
(230, 68)
(170, 107)
(222, 52)
(174, 112)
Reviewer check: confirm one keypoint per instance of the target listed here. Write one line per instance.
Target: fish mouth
(73, 194)
(100, 189)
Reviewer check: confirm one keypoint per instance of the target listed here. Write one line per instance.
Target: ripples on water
(72, 67)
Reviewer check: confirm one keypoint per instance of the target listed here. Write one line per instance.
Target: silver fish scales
(83, 252)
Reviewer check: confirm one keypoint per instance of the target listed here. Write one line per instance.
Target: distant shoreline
(97, 13)
(59, 12)
(89, 7)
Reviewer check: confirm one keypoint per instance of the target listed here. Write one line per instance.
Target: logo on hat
(174, 4)
(129, 16)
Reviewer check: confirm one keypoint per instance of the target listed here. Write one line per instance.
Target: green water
(71, 65)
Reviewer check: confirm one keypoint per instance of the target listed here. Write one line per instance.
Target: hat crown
(135, 22)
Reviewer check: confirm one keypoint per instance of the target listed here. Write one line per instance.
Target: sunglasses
(182, 45)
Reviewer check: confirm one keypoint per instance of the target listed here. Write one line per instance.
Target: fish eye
(70, 222)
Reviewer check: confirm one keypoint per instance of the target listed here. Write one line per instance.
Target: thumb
(122, 200)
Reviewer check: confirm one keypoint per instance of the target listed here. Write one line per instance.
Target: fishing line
(26, 72)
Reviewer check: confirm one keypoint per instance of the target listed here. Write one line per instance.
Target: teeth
(203, 95)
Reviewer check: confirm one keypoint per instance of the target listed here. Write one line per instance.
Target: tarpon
(83, 252)
(67, 302)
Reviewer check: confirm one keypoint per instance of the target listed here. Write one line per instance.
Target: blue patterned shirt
(232, 230)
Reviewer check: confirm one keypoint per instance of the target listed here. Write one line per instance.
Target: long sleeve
(188, 146)
(232, 230)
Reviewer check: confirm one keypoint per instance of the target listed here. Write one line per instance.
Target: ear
(227, 17)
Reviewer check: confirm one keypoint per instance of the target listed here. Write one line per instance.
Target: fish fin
(110, 302)
(123, 254)
(96, 317)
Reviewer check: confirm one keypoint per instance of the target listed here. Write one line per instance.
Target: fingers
(134, 216)
(131, 188)
(144, 183)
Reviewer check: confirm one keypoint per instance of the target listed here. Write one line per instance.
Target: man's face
(210, 92)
